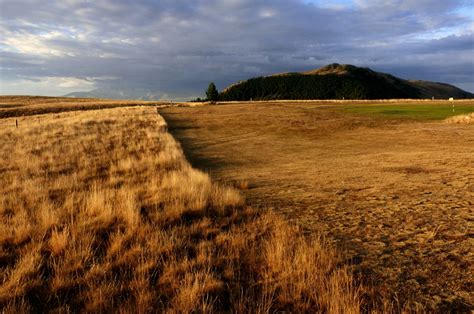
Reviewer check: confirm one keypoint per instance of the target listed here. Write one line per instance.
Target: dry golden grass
(353, 101)
(395, 196)
(17, 106)
(461, 119)
(100, 212)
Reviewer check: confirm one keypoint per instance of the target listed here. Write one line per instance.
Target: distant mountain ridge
(338, 81)
(116, 94)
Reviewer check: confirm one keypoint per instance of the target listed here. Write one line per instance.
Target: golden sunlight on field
(16, 106)
(394, 194)
(101, 212)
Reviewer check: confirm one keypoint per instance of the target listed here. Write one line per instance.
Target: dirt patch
(408, 170)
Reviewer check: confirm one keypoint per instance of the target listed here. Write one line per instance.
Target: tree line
(298, 86)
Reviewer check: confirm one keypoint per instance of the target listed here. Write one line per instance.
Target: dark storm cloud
(177, 47)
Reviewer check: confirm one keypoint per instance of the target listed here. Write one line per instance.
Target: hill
(336, 81)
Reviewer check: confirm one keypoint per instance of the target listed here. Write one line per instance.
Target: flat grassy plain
(412, 111)
(101, 212)
(387, 183)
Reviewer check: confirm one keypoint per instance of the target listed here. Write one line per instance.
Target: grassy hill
(337, 81)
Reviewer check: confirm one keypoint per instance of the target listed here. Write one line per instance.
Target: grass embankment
(16, 106)
(101, 212)
(412, 111)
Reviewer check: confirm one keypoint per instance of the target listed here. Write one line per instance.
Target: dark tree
(212, 93)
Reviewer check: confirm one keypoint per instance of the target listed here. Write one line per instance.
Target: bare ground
(395, 196)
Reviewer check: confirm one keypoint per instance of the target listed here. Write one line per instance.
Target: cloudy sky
(174, 48)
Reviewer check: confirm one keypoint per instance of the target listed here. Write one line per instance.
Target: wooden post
(16, 123)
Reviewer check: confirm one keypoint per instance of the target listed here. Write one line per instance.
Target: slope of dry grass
(17, 106)
(100, 212)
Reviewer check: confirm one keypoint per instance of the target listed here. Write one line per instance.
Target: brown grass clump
(100, 212)
(461, 119)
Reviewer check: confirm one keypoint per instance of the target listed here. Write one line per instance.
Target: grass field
(395, 195)
(18, 106)
(412, 111)
(308, 208)
(101, 212)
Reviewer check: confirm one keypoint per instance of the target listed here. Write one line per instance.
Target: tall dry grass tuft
(100, 212)
(461, 119)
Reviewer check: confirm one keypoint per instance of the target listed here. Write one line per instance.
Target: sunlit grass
(101, 212)
(411, 111)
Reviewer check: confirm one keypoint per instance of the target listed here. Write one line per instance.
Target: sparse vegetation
(100, 212)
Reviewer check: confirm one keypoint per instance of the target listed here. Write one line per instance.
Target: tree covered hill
(337, 81)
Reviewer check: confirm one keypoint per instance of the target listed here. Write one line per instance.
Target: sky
(172, 49)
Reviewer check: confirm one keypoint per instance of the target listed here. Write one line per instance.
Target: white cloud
(118, 40)
(33, 44)
(268, 12)
(49, 86)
